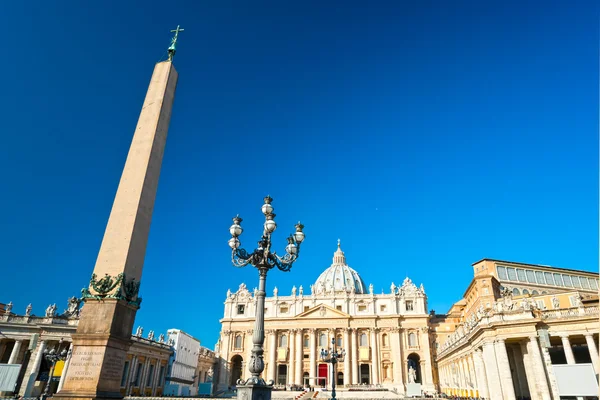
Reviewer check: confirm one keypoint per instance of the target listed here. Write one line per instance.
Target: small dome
(339, 277)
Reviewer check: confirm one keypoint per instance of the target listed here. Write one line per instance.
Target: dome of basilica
(339, 277)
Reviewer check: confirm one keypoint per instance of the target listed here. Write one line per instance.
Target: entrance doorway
(364, 374)
(236, 369)
(282, 374)
(323, 374)
(414, 361)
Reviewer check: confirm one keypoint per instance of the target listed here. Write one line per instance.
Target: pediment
(322, 311)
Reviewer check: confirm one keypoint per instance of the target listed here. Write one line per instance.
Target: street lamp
(52, 356)
(263, 259)
(332, 356)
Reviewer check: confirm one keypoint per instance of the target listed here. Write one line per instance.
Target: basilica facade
(385, 336)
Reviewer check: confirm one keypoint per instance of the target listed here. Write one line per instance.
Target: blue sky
(426, 135)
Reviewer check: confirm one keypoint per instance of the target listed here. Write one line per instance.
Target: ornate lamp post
(332, 356)
(52, 357)
(263, 259)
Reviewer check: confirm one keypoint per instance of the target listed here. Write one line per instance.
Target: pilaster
(504, 368)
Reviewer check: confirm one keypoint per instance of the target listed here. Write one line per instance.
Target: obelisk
(111, 301)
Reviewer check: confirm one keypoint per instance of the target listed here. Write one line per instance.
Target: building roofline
(536, 265)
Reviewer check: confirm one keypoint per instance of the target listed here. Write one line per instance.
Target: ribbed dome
(339, 277)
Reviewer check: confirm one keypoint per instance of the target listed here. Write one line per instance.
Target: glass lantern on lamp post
(333, 356)
(53, 356)
(263, 259)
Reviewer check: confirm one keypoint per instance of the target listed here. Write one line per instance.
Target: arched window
(363, 340)
(339, 341)
(238, 342)
(283, 341)
(306, 341)
(384, 340)
(322, 340)
(412, 339)
(534, 293)
(516, 292)
(525, 291)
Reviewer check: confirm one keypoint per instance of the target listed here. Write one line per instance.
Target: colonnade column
(591, 343)
(15, 352)
(426, 372)
(313, 355)
(299, 344)
(66, 368)
(354, 357)
(347, 360)
(395, 339)
(567, 348)
(374, 356)
(482, 386)
(273, 355)
(537, 362)
(132, 367)
(491, 369)
(292, 350)
(30, 381)
(504, 368)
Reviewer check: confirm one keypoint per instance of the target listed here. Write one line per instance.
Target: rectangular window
(409, 305)
(283, 309)
(584, 283)
(150, 376)
(241, 308)
(567, 280)
(306, 356)
(362, 307)
(306, 308)
(539, 276)
(530, 276)
(557, 280)
(593, 283)
(521, 275)
(549, 280)
(382, 307)
(138, 373)
(125, 372)
(540, 304)
(502, 273)
(161, 372)
(576, 282)
(512, 274)
(339, 308)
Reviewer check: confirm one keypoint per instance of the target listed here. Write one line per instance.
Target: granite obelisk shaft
(104, 331)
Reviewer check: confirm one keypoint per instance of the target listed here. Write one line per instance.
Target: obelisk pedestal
(111, 301)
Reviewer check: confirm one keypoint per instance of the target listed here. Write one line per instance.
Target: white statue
(301, 290)
(312, 289)
(139, 331)
(294, 290)
(412, 375)
(209, 374)
(8, 307)
(371, 288)
(72, 307)
(393, 288)
(161, 338)
(555, 302)
(51, 310)
(275, 291)
(151, 335)
(228, 293)
(255, 292)
(577, 300)
(28, 310)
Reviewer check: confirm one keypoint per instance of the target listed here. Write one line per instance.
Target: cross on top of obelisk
(173, 46)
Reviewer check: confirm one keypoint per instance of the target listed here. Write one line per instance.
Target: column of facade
(15, 352)
(374, 356)
(65, 368)
(273, 355)
(292, 356)
(529, 371)
(491, 368)
(472, 374)
(354, 357)
(591, 343)
(347, 360)
(567, 348)
(427, 364)
(144, 376)
(479, 368)
(537, 364)
(504, 368)
(313, 356)
(132, 367)
(155, 380)
(299, 356)
(395, 339)
(552, 384)
(35, 368)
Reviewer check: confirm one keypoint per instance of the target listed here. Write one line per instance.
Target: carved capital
(395, 330)
(226, 332)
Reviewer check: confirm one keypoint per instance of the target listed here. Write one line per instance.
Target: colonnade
(485, 371)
